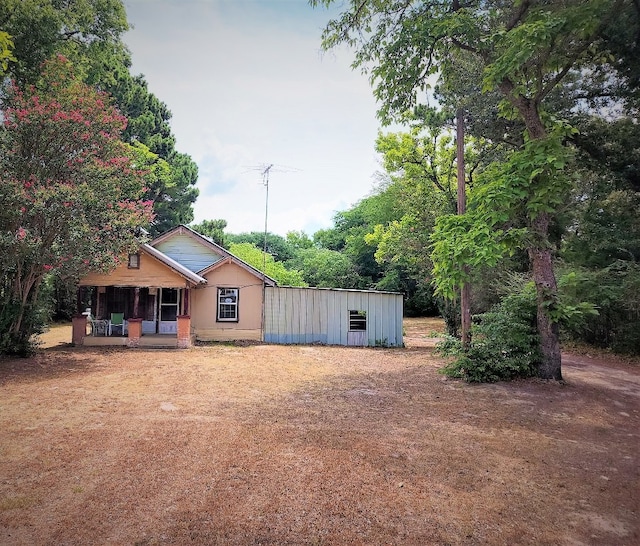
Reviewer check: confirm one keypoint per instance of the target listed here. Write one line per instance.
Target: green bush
(613, 291)
(21, 343)
(504, 342)
(34, 320)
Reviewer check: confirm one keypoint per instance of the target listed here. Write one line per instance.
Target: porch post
(184, 331)
(185, 302)
(136, 302)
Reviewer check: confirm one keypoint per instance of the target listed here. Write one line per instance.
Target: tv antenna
(265, 172)
(265, 183)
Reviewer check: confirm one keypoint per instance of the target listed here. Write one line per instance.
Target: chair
(116, 320)
(98, 327)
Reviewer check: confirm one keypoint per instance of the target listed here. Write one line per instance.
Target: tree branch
(517, 15)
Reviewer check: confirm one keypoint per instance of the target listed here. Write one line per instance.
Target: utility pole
(465, 293)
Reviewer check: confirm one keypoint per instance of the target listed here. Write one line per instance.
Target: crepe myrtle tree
(71, 194)
(526, 50)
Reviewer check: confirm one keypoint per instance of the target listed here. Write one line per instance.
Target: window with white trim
(227, 305)
(357, 321)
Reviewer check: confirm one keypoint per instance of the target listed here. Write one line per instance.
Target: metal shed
(332, 316)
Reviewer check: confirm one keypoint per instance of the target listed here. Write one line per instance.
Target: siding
(319, 315)
(188, 251)
(204, 304)
(151, 273)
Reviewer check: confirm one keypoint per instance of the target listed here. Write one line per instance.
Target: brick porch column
(184, 331)
(78, 329)
(135, 332)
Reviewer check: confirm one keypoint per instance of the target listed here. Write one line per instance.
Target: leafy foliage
(266, 263)
(611, 298)
(524, 51)
(88, 32)
(71, 198)
(85, 31)
(499, 205)
(504, 342)
(6, 47)
(277, 246)
(214, 229)
(321, 267)
(174, 194)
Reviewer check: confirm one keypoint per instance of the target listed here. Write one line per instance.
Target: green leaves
(463, 244)
(507, 196)
(504, 342)
(84, 31)
(265, 263)
(70, 194)
(6, 48)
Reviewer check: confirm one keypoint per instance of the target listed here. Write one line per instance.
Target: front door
(169, 298)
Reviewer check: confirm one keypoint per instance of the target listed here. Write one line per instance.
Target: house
(183, 287)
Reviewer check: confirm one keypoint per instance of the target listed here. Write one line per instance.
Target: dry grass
(311, 445)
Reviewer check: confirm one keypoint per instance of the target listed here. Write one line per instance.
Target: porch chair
(98, 326)
(117, 320)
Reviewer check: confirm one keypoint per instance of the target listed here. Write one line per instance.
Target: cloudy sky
(248, 86)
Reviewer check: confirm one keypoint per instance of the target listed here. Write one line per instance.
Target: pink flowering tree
(71, 193)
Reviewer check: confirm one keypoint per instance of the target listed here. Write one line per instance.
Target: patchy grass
(267, 444)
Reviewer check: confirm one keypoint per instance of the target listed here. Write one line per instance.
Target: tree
(70, 194)
(149, 118)
(84, 31)
(88, 32)
(525, 49)
(421, 165)
(299, 240)
(277, 246)
(265, 263)
(214, 229)
(326, 268)
(603, 222)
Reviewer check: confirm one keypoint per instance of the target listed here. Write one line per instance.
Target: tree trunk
(540, 252)
(547, 294)
(465, 293)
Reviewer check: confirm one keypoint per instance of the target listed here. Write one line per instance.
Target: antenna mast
(265, 183)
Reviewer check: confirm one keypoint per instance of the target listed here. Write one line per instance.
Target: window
(134, 261)
(357, 321)
(228, 304)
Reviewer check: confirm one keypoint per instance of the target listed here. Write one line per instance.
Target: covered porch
(114, 312)
(145, 301)
(110, 308)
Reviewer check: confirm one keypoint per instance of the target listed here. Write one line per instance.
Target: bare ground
(265, 444)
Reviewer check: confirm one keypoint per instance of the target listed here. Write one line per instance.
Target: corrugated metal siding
(317, 315)
(189, 252)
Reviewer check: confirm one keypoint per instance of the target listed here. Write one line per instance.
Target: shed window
(357, 321)
(134, 261)
(228, 304)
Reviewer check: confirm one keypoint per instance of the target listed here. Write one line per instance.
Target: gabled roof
(209, 243)
(171, 263)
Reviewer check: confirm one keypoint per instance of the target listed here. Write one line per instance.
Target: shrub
(614, 292)
(504, 342)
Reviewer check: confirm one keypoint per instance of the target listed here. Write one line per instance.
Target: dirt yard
(275, 445)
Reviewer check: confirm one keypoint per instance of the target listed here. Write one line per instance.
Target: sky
(249, 86)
